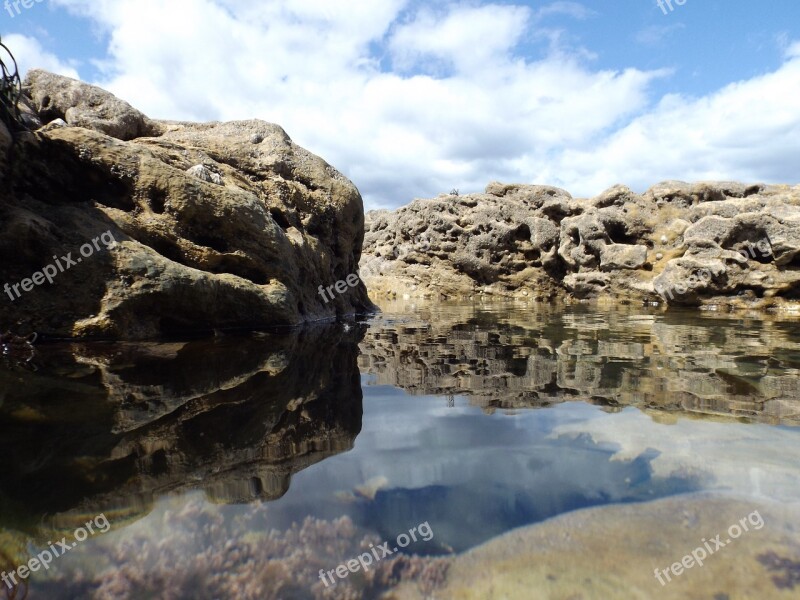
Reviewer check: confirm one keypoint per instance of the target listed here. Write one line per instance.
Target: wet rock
(611, 552)
(587, 285)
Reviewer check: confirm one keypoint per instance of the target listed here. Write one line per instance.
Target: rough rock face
(679, 243)
(56, 97)
(218, 225)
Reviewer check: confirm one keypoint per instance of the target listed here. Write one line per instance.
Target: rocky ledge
(119, 226)
(711, 243)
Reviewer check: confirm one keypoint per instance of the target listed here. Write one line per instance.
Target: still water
(530, 452)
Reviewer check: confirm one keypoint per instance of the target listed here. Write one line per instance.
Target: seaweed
(20, 590)
(786, 571)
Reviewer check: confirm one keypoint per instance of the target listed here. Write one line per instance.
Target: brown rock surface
(219, 225)
(713, 243)
(612, 553)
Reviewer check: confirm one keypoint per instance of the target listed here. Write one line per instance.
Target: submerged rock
(209, 230)
(714, 243)
(612, 553)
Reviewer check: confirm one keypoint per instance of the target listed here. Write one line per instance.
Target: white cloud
(471, 39)
(655, 34)
(29, 54)
(747, 131)
(575, 10)
(411, 102)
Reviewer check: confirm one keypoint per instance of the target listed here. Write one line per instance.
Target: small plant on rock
(10, 92)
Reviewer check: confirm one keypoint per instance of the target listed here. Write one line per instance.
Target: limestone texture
(692, 244)
(217, 226)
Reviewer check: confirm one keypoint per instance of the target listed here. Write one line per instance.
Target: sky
(411, 99)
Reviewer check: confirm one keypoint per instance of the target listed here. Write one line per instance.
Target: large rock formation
(207, 226)
(683, 244)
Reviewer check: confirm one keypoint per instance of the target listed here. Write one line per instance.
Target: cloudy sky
(412, 99)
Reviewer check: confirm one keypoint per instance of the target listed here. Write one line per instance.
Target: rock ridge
(692, 244)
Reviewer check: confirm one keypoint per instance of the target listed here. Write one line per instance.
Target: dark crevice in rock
(157, 200)
(280, 218)
(617, 232)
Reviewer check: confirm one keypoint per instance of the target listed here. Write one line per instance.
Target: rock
(587, 285)
(498, 239)
(540, 239)
(622, 256)
(685, 279)
(82, 105)
(189, 254)
(582, 237)
(203, 173)
(6, 142)
(57, 123)
(612, 552)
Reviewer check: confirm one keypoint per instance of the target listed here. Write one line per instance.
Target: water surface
(239, 467)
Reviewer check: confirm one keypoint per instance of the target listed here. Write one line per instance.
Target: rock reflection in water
(708, 365)
(114, 426)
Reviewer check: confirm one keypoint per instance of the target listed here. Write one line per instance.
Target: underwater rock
(612, 553)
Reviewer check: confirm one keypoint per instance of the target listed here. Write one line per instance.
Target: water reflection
(113, 426)
(190, 449)
(507, 357)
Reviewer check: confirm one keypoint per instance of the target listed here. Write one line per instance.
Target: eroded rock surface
(218, 225)
(712, 243)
